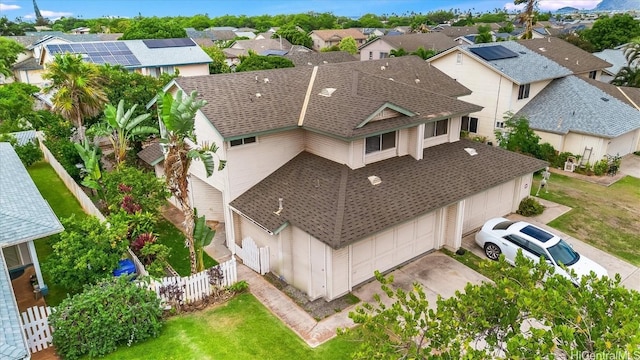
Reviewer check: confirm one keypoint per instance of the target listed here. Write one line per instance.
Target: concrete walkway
(629, 273)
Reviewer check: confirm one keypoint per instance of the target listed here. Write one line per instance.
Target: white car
(503, 236)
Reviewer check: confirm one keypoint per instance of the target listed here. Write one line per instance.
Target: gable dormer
(386, 111)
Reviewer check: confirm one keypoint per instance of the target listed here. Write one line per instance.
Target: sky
(89, 9)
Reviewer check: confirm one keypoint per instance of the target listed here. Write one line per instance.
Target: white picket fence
(35, 322)
(197, 286)
(256, 258)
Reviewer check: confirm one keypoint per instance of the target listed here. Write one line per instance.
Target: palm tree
(399, 52)
(78, 89)
(629, 75)
(121, 128)
(527, 16)
(423, 53)
(178, 117)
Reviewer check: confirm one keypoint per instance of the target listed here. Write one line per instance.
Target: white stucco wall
(372, 51)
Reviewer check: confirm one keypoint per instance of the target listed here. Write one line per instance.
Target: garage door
(495, 202)
(391, 248)
(622, 145)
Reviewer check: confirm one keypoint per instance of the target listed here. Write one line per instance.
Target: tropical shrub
(137, 223)
(600, 167)
(155, 258)
(86, 252)
(28, 153)
(134, 190)
(115, 312)
(530, 207)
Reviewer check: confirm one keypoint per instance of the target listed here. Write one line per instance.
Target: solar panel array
(106, 52)
(496, 52)
(165, 43)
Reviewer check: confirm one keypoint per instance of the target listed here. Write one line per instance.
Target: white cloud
(7, 7)
(52, 15)
(552, 5)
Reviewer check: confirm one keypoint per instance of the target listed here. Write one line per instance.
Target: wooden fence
(256, 258)
(197, 286)
(35, 322)
(71, 184)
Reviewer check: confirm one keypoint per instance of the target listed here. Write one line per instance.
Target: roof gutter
(252, 221)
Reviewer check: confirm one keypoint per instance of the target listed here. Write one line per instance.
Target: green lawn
(240, 329)
(173, 238)
(64, 204)
(605, 217)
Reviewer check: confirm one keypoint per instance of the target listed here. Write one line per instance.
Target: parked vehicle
(503, 236)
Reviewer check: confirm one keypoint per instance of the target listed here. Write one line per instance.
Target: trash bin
(125, 267)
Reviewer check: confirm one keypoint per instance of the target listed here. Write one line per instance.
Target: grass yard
(64, 204)
(240, 329)
(173, 238)
(605, 217)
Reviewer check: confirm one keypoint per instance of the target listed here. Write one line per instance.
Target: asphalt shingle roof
(527, 67)
(339, 206)
(29, 64)
(565, 54)
(628, 95)
(24, 214)
(573, 104)
(12, 344)
(308, 58)
(615, 57)
(337, 34)
(411, 42)
(235, 109)
(152, 154)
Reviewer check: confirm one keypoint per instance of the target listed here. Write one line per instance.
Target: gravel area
(318, 309)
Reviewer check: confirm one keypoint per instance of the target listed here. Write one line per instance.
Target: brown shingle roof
(565, 54)
(339, 206)
(235, 108)
(262, 44)
(331, 34)
(308, 58)
(152, 154)
(411, 42)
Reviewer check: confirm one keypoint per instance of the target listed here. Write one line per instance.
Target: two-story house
(151, 57)
(343, 169)
(332, 37)
(506, 77)
(382, 47)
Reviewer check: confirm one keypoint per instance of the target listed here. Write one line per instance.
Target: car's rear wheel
(492, 251)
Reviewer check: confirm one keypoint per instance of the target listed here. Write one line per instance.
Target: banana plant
(91, 160)
(202, 236)
(121, 127)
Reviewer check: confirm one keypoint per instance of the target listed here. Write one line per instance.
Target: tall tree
(293, 35)
(526, 16)
(121, 127)
(526, 313)
(178, 117)
(40, 20)
(153, 28)
(349, 45)
(484, 34)
(77, 87)
(629, 75)
(259, 62)
(423, 53)
(219, 63)
(9, 51)
(609, 32)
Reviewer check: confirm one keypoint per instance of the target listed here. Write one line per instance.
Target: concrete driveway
(438, 273)
(630, 165)
(629, 273)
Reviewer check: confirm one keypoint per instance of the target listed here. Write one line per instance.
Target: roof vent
(471, 151)
(604, 99)
(542, 49)
(391, 79)
(266, 80)
(256, 78)
(280, 207)
(326, 92)
(258, 95)
(374, 180)
(309, 63)
(325, 62)
(523, 52)
(417, 81)
(382, 68)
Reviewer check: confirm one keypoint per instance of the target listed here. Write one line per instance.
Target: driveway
(438, 273)
(630, 165)
(629, 273)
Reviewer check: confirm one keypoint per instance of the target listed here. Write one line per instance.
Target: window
(523, 91)
(536, 250)
(168, 70)
(436, 128)
(500, 124)
(384, 55)
(592, 74)
(380, 142)
(370, 55)
(154, 72)
(470, 124)
(459, 58)
(243, 141)
(516, 240)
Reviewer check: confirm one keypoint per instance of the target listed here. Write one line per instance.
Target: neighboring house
(343, 169)
(81, 31)
(580, 62)
(617, 60)
(240, 48)
(24, 217)
(331, 37)
(307, 58)
(381, 47)
(28, 69)
(586, 117)
(148, 57)
(505, 76)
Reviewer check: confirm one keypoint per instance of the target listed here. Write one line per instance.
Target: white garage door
(494, 202)
(392, 248)
(622, 145)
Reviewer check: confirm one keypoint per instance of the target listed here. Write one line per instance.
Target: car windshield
(562, 253)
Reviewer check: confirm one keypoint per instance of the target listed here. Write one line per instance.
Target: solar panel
(496, 52)
(113, 52)
(166, 43)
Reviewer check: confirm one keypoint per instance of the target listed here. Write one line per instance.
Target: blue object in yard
(125, 267)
